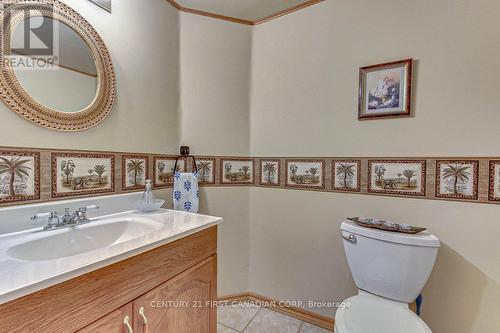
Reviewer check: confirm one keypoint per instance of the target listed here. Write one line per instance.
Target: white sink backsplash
(18, 218)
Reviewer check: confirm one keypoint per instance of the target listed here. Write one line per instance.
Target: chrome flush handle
(351, 238)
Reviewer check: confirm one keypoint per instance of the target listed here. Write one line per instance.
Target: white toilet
(390, 270)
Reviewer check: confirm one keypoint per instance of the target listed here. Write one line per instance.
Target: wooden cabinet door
(112, 323)
(180, 305)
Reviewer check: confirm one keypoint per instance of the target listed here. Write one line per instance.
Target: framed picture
(82, 173)
(346, 175)
(397, 177)
(19, 176)
(457, 179)
(134, 172)
(206, 170)
(494, 193)
(385, 90)
(237, 172)
(104, 4)
(305, 174)
(163, 170)
(269, 172)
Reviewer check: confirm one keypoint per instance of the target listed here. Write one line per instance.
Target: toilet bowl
(390, 270)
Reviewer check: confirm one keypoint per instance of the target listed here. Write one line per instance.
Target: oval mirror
(56, 70)
(70, 85)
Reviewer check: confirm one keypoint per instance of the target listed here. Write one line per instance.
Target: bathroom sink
(80, 239)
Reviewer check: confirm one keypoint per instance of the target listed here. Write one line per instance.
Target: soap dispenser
(148, 203)
(148, 196)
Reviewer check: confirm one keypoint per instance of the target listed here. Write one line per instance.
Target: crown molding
(243, 21)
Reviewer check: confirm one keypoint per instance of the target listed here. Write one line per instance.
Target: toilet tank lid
(421, 239)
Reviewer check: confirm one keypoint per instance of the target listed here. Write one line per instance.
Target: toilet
(390, 270)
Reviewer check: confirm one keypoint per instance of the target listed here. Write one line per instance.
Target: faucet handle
(40, 216)
(91, 207)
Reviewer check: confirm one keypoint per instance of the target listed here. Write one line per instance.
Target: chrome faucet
(67, 220)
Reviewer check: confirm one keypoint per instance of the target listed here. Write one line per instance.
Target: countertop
(22, 277)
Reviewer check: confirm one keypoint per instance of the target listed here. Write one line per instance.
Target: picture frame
(457, 179)
(237, 171)
(346, 175)
(206, 170)
(135, 172)
(77, 174)
(163, 170)
(494, 181)
(385, 90)
(24, 167)
(104, 4)
(270, 172)
(305, 173)
(397, 177)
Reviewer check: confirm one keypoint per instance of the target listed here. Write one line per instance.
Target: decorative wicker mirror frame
(16, 97)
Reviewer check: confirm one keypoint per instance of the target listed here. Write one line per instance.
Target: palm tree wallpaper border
(397, 177)
(457, 179)
(305, 173)
(45, 170)
(494, 181)
(346, 175)
(19, 176)
(163, 170)
(206, 170)
(135, 171)
(236, 171)
(75, 174)
(270, 172)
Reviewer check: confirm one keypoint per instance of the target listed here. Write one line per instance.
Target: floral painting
(346, 175)
(19, 176)
(305, 173)
(164, 170)
(237, 171)
(206, 170)
(270, 172)
(396, 177)
(77, 174)
(457, 179)
(494, 181)
(134, 172)
(385, 90)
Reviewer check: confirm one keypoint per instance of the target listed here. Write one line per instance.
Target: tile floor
(249, 318)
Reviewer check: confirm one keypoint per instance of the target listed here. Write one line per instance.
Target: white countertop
(22, 277)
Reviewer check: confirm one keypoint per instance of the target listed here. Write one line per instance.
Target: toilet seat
(368, 313)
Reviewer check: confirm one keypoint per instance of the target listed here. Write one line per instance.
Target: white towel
(186, 194)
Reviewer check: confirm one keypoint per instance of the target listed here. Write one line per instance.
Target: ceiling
(242, 11)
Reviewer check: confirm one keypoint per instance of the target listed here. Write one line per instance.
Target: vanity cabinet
(169, 289)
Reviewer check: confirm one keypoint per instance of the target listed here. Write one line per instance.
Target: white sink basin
(85, 238)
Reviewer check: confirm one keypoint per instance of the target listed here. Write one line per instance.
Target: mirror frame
(16, 97)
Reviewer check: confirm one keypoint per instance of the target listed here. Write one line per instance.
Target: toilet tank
(388, 264)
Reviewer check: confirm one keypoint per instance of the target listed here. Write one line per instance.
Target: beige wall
(143, 39)
(305, 78)
(214, 119)
(304, 103)
(215, 85)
